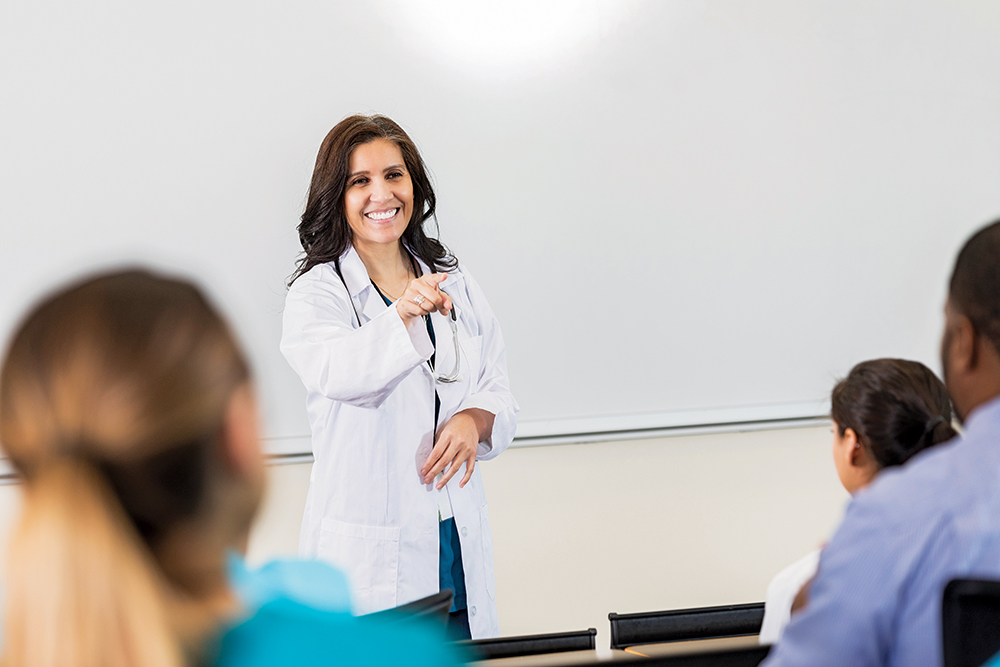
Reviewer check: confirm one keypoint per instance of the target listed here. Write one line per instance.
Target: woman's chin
(376, 238)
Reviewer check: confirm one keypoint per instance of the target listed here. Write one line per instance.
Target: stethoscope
(453, 321)
(453, 376)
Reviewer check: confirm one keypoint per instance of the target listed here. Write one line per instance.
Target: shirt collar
(985, 416)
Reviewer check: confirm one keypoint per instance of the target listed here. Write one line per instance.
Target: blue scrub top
(298, 613)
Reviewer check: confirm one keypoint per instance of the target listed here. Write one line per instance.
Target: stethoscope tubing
(454, 375)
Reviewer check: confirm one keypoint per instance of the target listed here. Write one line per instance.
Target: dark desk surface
(557, 659)
(631, 654)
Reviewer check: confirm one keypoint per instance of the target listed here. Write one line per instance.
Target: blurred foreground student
(884, 412)
(876, 599)
(126, 405)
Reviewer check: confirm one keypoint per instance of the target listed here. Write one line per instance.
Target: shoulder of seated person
(923, 487)
(308, 582)
(289, 633)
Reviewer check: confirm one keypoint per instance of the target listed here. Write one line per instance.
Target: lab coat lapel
(370, 303)
(366, 300)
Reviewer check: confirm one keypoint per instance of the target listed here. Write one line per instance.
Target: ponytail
(938, 430)
(83, 590)
(895, 406)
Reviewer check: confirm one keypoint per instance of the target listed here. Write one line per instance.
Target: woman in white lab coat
(395, 497)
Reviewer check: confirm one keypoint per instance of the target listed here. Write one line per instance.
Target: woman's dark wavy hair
(324, 232)
(896, 407)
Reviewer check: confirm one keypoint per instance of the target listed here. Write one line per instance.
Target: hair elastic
(933, 423)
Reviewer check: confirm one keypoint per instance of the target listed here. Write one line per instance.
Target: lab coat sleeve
(491, 390)
(358, 366)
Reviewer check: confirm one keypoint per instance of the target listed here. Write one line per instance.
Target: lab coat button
(472, 611)
(465, 531)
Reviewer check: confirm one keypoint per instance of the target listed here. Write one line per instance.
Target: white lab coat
(371, 411)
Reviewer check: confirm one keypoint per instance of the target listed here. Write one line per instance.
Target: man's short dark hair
(974, 290)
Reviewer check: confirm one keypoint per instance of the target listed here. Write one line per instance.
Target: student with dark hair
(126, 404)
(877, 597)
(884, 412)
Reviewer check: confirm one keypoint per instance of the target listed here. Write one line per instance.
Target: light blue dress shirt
(877, 597)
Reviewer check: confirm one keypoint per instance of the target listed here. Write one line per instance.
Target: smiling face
(378, 198)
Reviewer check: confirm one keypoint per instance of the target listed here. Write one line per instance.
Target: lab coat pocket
(471, 354)
(487, 542)
(370, 557)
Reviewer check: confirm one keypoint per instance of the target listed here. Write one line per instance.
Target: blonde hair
(113, 394)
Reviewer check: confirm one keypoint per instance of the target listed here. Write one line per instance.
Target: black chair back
(433, 606)
(512, 647)
(970, 618)
(657, 627)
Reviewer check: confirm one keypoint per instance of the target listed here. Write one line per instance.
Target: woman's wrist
(483, 420)
(403, 315)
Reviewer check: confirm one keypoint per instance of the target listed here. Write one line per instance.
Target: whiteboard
(682, 212)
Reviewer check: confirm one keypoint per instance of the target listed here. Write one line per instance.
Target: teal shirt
(285, 632)
(298, 613)
(309, 582)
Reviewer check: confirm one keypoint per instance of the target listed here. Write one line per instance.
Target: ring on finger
(418, 299)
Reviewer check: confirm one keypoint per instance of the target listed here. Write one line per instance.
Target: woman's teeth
(384, 215)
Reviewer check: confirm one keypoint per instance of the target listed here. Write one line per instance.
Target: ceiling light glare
(507, 38)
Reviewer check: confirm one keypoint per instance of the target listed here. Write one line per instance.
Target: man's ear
(964, 353)
(240, 439)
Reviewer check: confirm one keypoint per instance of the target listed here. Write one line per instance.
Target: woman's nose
(381, 192)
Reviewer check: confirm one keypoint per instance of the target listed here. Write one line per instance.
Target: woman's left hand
(457, 443)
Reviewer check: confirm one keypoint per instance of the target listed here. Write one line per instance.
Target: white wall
(714, 178)
(640, 525)
(584, 530)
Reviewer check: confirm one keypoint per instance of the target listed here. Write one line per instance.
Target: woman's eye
(359, 181)
(394, 174)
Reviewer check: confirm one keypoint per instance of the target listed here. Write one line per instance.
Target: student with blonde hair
(126, 405)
